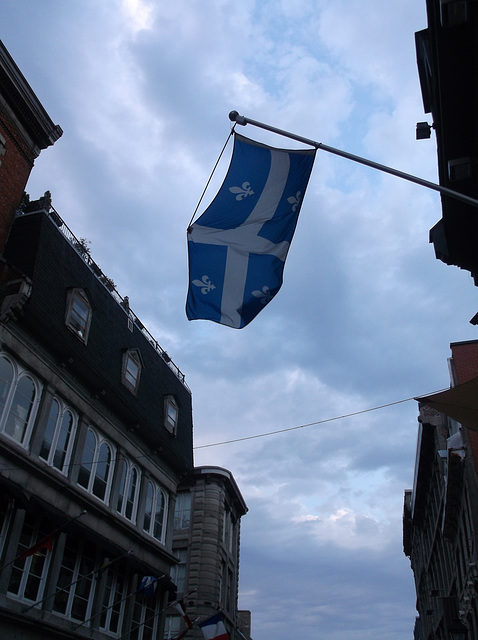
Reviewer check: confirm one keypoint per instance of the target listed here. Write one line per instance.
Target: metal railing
(81, 247)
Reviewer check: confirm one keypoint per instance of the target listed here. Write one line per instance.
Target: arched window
(58, 437)
(19, 397)
(155, 512)
(96, 467)
(129, 490)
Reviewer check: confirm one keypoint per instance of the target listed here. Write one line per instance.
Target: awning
(459, 403)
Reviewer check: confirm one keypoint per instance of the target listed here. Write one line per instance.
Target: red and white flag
(180, 606)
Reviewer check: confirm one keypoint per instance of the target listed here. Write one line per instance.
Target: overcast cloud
(142, 90)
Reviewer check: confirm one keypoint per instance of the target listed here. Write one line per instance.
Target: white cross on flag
(238, 246)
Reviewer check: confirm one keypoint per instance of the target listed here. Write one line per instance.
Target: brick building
(25, 129)
(440, 520)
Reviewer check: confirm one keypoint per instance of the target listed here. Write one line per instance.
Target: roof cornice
(21, 100)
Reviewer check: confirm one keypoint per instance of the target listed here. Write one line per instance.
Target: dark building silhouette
(440, 518)
(447, 57)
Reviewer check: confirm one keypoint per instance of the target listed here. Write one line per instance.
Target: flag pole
(43, 540)
(242, 120)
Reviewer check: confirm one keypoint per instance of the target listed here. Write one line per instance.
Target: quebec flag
(238, 246)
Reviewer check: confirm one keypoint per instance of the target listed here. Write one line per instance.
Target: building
(440, 518)
(96, 457)
(95, 437)
(206, 540)
(447, 57)
(25, 129)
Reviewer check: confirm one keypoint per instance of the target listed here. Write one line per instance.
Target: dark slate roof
(38, 248)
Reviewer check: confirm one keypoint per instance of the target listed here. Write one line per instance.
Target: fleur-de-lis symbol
(295, 200)
(205, 284)
(264, 295)
(242, 191)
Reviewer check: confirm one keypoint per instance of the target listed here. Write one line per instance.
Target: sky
(142, 90)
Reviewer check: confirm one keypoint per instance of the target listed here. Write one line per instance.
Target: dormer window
(171, 414)
(78, 313)
(132, 365)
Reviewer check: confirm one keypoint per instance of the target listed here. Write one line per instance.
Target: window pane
(27, 572)
(172, 413)
(145, 619)
(132, 371)
(182, 511)
(79, 315)
(21, 408)
(113, 601)
(75, 585)
(119, 506)
(6, 378)
(65, 580)
(102, 471)
(133, 481)
(159, 516)
(49, 430)
(63, 440)
(148, 510)
(87, 459)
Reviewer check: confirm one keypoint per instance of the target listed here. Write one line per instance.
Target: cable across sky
(310, 424)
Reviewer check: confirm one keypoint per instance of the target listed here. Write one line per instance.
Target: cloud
(366, 313)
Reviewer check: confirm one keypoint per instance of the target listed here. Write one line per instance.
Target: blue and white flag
(238, 246)
(148, 585)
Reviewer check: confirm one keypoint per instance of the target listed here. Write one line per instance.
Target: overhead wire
(309, 424)
(272, 433)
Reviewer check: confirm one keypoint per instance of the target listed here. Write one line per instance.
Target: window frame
(71, 322)
(157, 491)
(19, 373)
(182, 510)
(178, 572)
(171, 423)
(75, 582)
(131, 356)
(114, 601)
(32, 531)
(172, 626)
(63, 409)
(95, 461)
(147, 622)
(124, 491)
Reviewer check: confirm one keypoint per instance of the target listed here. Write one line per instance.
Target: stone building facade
(206, 540)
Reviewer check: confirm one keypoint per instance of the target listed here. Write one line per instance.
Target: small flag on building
(213, 628)
(43, 544)
(181, 607)
(148, 585)
(238, 246)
